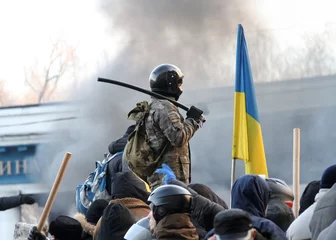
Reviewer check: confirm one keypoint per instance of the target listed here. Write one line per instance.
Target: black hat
(65, 228)
(329, 177)
(96, 210)
(115, 222)
(232, 224)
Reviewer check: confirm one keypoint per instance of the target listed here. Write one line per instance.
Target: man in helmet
(170, 207)
(165, 126)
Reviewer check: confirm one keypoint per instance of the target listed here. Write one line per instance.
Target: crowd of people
(260, 209)
(165, 205)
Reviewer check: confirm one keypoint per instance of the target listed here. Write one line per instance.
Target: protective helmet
(169, 199)
(165, 78)
(139, 231)
(281, 191)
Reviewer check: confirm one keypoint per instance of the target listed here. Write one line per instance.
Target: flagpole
(233, 177)
(296, 170)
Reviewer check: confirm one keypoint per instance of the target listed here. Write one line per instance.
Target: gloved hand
(35, 235)
(167, 172)
(26, 199)
(195, 114)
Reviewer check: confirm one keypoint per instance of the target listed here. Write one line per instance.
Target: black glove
(26, 199)
(195, 114)
(35, 235)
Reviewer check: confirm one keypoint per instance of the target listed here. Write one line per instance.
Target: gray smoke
(199, 37)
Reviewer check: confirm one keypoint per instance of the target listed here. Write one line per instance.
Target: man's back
(165, 125)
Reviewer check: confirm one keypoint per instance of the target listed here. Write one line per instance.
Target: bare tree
(44, 82)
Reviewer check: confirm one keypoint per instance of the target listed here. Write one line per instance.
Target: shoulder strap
(114, 155)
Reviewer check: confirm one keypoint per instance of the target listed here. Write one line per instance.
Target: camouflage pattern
(165, 124)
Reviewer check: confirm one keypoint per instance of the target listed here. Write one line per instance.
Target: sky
(28, 29)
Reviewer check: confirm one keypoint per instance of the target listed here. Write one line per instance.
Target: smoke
(199, 37)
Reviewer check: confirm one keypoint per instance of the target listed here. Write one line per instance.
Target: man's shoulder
(162, 104)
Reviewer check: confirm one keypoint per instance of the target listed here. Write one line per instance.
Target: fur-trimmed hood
(138, 208)
(131, 203)
(87, 227)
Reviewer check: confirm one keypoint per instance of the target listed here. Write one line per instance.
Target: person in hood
(132, 192)
(329, 233)
(324, 214)
(280, 213)
(116, 163)
(93, 215)
(15, 201)
(251, 193)
(170, 219)
(62, 228)
(299, 229)
(203, 210)
(308, 196)
(280, 191)
(114, 223)
(279, 208)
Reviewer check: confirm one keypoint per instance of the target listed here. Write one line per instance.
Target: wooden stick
(53, 192)
(296, 170)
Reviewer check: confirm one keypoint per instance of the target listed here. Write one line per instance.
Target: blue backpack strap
(114, 155)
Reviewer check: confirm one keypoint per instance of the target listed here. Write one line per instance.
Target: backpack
(138, 153)
(94, 186)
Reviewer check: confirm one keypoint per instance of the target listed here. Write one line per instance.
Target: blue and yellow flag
(247, 142)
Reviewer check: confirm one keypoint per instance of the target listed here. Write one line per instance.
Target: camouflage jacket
(165, 124)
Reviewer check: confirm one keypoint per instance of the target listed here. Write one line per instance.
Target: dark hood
(119, 144)
(251, 193)
(206, 192)
(128, 185)
(308, 195)
(279, 213)
(115, 222)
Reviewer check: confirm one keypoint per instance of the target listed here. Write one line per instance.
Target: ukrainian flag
(247, 143)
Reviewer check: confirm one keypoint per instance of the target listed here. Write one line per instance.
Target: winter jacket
(128, 185)
(280, 213)
(10, 202)
(138, 208)
(88, 228)
(203, 210)
(116, 164)
(114, 223)
(165, 126)
(206, 192)
(251, 193)
(324, 213)
(308, 195)
(175, 226)
(329, 233)
(15, 201)
(299, 229)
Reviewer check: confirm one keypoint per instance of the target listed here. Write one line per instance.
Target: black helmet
(165, 78)
(280, 190)
(169, 199)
